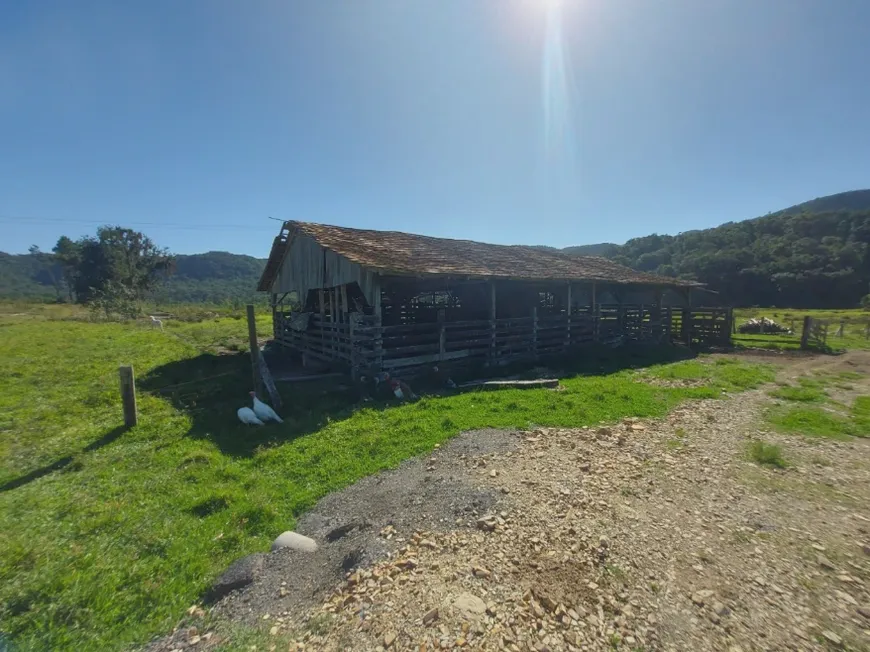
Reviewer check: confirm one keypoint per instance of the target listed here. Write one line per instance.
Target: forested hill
(213, 277)
(815, 254)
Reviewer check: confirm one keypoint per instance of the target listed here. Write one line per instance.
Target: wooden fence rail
(363, 343)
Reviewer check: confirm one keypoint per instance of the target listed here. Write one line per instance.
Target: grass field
(854, 321)
(107, 536)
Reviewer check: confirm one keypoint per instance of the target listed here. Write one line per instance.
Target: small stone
(720, 609)
(866, 548)
(493, 473)
(845, 597)
(831, 637)
(819, 547)
(389, 639)
(584, 467)
(637, 427)
(430, 616)
(273, 630)
(483, 573)
(603, 542)
(698, 597)
(487, 523)
(294, 541)
(825, 563)
(864, 611)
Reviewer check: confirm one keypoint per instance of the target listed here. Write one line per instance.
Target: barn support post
(492, 314)
(669, 324)
(354, 352)
(332, 321)
(686, 327)
(322, 302)
(379, 336)
(596, 315)
(568, 320)
(729, 326)
(442, 335)
(344, 310)
(535, 331)
(655, 315)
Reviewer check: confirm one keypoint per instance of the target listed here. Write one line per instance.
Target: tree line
(804, 260)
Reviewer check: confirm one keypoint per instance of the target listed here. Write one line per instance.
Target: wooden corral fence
(363, 345)
(814, 334)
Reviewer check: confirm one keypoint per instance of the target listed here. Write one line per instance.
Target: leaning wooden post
(805, 332)
(128, 395)
(255, 347)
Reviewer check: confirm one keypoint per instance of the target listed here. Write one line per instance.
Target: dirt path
(645, 536)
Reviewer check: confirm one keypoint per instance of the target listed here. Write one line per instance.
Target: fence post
(255, 348)
(686, 326)
(128, 395)
(805, 332)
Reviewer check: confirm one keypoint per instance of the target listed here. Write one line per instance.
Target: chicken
(263, 411)
(247, 416)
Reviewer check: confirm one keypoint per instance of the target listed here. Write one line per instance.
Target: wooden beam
(254, 346)
(492, 315)
(128, 395)
(568, 324)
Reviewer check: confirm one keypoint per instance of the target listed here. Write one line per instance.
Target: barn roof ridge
(406, 254)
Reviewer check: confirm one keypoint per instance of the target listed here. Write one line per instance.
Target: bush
(767, 454)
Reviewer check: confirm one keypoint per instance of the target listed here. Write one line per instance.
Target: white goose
(263, 411)
(247, 416)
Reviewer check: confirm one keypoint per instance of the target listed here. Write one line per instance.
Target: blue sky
(509, 121)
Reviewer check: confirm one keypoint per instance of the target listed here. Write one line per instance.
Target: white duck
(247, 416)
(263, 411)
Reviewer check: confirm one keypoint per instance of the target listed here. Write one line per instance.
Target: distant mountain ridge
(212, 277)
(813, 254)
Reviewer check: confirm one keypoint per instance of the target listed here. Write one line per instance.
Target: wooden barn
(384, 300)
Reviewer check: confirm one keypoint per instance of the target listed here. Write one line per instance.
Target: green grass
(854, 332)
(799, 394)
(767, 454)
(107, 536)
(824, 422)
(722, 373)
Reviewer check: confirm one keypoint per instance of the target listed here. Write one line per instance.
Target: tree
(118, 266)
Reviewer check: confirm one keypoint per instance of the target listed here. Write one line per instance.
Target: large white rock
(294, 541)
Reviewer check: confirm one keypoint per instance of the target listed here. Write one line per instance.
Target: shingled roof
(406, 254)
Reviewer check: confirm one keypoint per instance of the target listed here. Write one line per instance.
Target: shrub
(767, 454)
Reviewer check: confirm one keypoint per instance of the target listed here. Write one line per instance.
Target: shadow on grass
(211, 388)
(63, 462)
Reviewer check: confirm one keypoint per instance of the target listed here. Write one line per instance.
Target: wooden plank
(128, 395)
(421, 359)
(512, 384)
(266, 377)
(254, 346)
